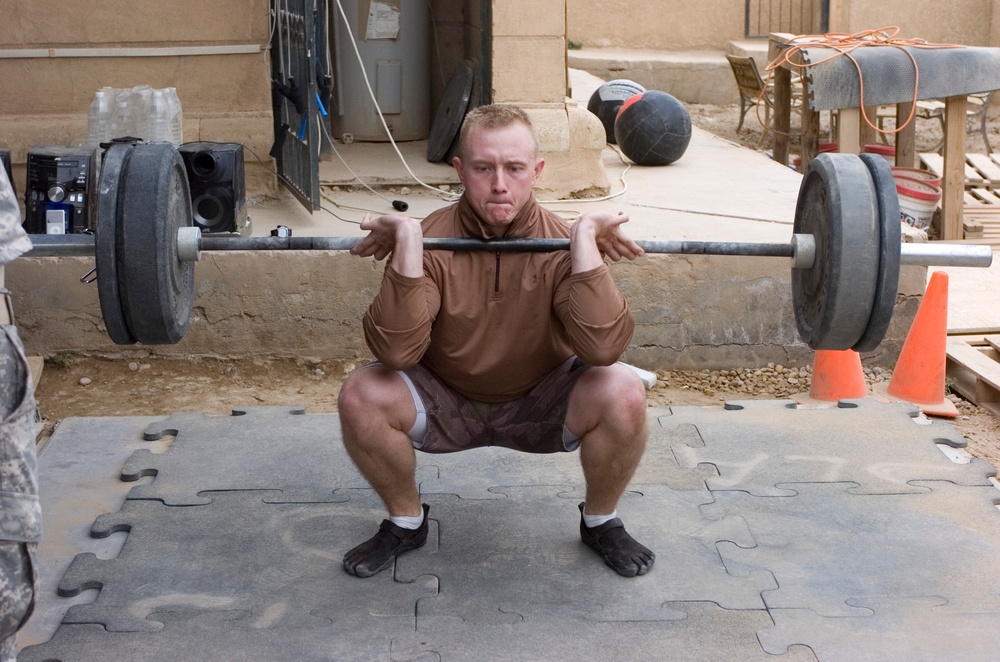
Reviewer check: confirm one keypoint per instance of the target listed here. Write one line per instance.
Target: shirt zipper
(496, 277)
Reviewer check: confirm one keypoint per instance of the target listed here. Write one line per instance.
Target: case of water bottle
(137, 112)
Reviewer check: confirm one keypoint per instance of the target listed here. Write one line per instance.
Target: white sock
(406, 522)
(596, 520)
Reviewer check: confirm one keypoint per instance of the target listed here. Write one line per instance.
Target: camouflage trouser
(20, 517)
(18, 584)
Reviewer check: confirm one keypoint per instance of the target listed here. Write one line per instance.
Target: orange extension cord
(844, 45)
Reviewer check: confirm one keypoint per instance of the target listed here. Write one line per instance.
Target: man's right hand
(394, 234)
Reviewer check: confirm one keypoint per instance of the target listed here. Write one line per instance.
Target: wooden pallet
(973, 362)
(982, 193)
(974, 176)
(982, 209)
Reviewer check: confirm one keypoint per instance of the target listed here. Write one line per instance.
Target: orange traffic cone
(920, 371)
(837, 375)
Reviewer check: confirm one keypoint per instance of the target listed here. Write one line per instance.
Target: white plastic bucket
(925, 176)
(887, 152)
(917, 202)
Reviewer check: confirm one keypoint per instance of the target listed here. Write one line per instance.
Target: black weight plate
(889, 246)
(836, 204)
(474, 102)
(105, 243)
(451, 112)
(157, 288)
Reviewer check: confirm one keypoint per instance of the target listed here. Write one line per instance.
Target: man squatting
(476, 348)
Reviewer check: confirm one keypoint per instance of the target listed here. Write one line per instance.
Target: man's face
(498, 168)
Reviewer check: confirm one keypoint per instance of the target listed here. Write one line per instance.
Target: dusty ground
(87, 386)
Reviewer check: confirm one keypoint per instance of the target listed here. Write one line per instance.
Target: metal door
(798, 17)
(295, 68)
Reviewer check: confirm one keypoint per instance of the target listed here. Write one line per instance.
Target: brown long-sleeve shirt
(491, 324)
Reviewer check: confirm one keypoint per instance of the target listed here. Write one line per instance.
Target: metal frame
(813, 17)
(297, 136)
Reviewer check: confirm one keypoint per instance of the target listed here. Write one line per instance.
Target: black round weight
(156, 287)
(887, 284)
(837, 205)
(450, 112)
(653, 128)
(106, 243)
(607, 100)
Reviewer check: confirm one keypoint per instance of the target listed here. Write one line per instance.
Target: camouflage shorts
(18, 586)
(533, 423)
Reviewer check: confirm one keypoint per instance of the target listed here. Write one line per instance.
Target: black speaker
(59, 196)
(218, 186)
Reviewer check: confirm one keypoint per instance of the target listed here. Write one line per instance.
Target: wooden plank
(782, 102)
(935, 163)
(976, 376)
(983, 196)
(988, 167)
(993, 341)
(849, 130)
(953, 181)
(906, 146)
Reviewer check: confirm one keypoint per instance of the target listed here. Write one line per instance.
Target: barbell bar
(845, 249)
(801, 249)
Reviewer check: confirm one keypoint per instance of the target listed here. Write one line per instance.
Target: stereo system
(59, 196)
(218, 187)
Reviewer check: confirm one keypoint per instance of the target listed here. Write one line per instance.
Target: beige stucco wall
(529, 68)
(969, 22)
(676, 25)
(224, 97)
(720, 313)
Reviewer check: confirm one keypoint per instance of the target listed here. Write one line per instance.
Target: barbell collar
(190, 242)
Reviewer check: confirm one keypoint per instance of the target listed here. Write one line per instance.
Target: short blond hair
(495, 116)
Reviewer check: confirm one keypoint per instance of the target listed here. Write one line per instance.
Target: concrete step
(701, 76)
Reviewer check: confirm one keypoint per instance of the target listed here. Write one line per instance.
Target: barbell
(845, 249)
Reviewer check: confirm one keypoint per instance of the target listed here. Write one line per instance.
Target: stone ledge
(691, 76)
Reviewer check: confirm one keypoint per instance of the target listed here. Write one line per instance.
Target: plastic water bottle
(142, 100)
(159, 118)
(123, 117)
(176, 116)
(99, 118)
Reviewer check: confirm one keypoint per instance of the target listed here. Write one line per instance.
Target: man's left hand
(599, 234)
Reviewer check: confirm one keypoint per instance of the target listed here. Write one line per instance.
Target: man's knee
(374, 391)
(617, 386)
(612, 393)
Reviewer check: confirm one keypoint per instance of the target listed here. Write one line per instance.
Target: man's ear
(539, 166)
(457, 164)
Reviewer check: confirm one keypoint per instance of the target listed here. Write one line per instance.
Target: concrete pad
(240, 577)
(281, 571)
(79, 469)
(218, 453)
(912, 629)
(770, 447)
(840, 555)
